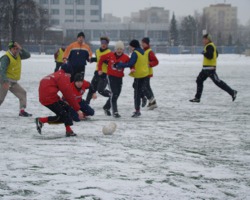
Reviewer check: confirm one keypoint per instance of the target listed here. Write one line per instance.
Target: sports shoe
(144, 102)
(23, 113)
(136, 114)
(39, 125)
(234, 95)
(195, 100)
(116, 115)
(70, 134)
(152, 105)
(107, 112)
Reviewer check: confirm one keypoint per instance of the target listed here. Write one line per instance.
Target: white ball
(109, 129)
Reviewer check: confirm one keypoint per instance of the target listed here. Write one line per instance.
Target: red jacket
(52, 84)
(111, 58)
(80, 92)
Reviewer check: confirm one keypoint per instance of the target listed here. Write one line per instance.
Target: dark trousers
(99, 84)
(58, 65)
(62, 111)
(147, 90)
(138, 89)
(78, 70)
(115, 86)
(204, 74)
(85, 108)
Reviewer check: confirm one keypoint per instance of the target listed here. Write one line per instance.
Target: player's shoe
(234, 95)
(70, 134)
(136, 114)
(23, 113)
(152, 105)
(39, 125)
(116, 115)
(107, 112)
(195, 100)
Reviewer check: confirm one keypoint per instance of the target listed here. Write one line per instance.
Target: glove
(93, 60)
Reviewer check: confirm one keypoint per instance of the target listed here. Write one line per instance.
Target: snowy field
(178, 151)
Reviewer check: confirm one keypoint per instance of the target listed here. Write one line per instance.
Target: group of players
(107, 80)
(69, 74)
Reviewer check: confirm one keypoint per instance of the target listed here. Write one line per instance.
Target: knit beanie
(135, 44)
(119, 45)
(81, 34)
(208, 36)
(66, 68)
(78, 77)
(11, 44)
(146, 40)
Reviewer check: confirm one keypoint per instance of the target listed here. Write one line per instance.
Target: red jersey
(81, 91)
(111, 58)
(52, 84)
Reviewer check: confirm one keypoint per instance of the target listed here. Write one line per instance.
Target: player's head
(80, 37)
(207, 38)
(104, 42)
(134, 44)
(145, 42)
(13, 48)
(78, 80)
(119, 48)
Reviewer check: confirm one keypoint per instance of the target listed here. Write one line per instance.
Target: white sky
(121, 8)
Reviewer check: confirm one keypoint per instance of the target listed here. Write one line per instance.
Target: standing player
(140, 73)
(77, 54)
(114, 76)
(10, 74)
(99, 82)
(210, 54)
(58, 55)
(48, 96)
(152, 62)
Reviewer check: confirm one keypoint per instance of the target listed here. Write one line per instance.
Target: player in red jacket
(48, 96)
(114, 76)
(152, 62)
(79, 87)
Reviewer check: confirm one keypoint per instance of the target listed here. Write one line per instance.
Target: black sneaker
(116, 115)
(24, 114)
(144, 102)
(136, 114)
(39, 125)
(107, 112)
(195, 100)
(70, 134)
(234, 95)
(152, 105)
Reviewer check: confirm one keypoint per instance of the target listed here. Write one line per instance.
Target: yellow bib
(141, 66)
(60, 56)
(98, 55)
(150, 68)
(14, 68)
(213, 61)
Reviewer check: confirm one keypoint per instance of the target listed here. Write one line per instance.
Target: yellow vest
(141, 66)
(14, 68)
(60, 56)
(98, 55)
(150, 68)
(213, 61)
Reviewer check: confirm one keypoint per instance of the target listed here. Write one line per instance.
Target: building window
(94, 12)
(80, 12)
(80, 20)
(69, 12)
(69, 2)
(94, 2)
(43, 1)
(54, 2)
(55, 22)
(80, 2)
(54, 12)
(69, 20)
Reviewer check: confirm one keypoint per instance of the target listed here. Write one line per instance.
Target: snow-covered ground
(178, 151)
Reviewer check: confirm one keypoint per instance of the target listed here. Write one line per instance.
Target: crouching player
(79, 87)
(48, 96)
